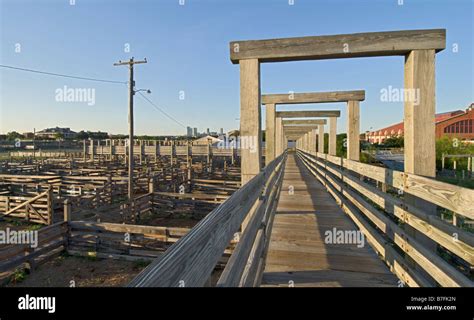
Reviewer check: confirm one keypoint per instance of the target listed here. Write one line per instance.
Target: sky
(186, 43)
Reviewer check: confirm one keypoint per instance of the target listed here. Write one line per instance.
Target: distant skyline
(189, 71)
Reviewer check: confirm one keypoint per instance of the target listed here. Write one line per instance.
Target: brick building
(457, 123)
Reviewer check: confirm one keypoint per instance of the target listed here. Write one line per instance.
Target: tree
(341, 145)
(58, 136)
(13, 135)
(452, 146)
(82, 135)
(394, 142)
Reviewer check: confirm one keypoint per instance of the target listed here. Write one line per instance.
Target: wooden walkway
(298, 254)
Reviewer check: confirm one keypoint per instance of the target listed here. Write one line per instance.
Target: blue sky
(187, 47)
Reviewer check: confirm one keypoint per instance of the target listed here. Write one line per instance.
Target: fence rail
(51, 241)
(191, 261)
(378, 214)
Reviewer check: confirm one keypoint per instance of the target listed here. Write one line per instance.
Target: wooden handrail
(451, 197)
(190, 261)
(238, 270)
(352, 200)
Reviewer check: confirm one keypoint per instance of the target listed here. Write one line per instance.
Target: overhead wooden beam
(313, 97)
(308, 114)
(299, 128)
(303, 122)
(368, 44)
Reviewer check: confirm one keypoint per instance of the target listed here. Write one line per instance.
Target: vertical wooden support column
(250, 118)
(306, 141)
(84, 150)
(332, 136)
(312, 141)
(321, 138)
(278, 139)
(353, 143)
(419, 132)
(269, 133)
(283, 146)
(92, 149)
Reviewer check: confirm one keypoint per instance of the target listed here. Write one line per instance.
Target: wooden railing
(51, 241)
(191, 261)
(382, 216)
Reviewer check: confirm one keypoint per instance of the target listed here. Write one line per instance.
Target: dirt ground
(85, 272)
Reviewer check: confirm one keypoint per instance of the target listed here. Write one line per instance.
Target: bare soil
(84, 272)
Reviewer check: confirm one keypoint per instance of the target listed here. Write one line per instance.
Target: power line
(93, 79)
(162, 111)
(62, 75)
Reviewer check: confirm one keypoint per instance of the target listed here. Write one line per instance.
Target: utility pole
(131, 91)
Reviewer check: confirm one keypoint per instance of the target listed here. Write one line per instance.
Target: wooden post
(278, 134)
(67, 210)
(51, 204)
(321, 139)
(187, 154)
(141, 147)
(419, 116)
(84, 149)
(442, 162)
(332, 136)
(151, 185)
(92, 150)
(353, 143)
(172, 152)
(419, 128)
(269, 133)
(314, 134)
(250, 118)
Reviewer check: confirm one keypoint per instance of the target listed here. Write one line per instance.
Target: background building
(453, 123)
(189, 132)
(52, 133)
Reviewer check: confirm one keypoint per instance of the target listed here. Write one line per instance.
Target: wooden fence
(381, 215)
(36, 208)
(51, 242)
(120, 241)
(191, 261)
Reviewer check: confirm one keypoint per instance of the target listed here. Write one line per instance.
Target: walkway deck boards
(297, 253)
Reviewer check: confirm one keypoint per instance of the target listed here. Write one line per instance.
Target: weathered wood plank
(313, 97)
(338, 46)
